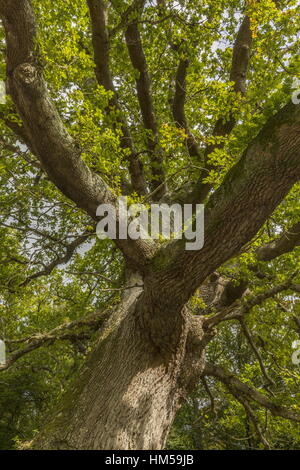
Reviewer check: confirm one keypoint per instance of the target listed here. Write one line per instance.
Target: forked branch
(101, 46)
(53, 145)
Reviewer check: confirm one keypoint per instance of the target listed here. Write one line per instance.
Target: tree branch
(251, 415)
(250, 192)
(63, 259)
(60, 333)
(249, 337)
(53, 145)
(100, 39)
(224, 126)
(143, 85)
(178, 107)
(238, 310)
(283, 244)
(243, 390)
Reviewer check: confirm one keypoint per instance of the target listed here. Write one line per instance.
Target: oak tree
(160, 101)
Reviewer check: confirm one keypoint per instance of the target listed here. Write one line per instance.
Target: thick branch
(238, 75)
(100, 39)
(268, 294)
(283, 244)
(60, 333)
(143, 85)
(57, 151)
(178, 107)
(241, 56)
(219, 292)
(232, 382)
(238, 310)
(250, 192)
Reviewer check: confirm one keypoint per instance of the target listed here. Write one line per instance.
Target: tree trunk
(131, 386)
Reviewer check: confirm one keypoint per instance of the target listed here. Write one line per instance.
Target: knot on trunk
(26, 74)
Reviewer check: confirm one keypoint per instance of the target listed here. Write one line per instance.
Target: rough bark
(250, 192)
(128, 392)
